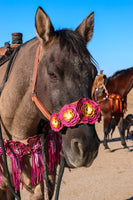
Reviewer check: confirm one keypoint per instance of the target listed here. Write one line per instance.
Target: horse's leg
(113, 129)
(107, 120)
(37, 192)
(122, 133)
(127, 132)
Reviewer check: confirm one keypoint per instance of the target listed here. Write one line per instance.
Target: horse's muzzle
(82, 150)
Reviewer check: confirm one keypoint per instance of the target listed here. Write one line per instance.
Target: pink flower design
(55, 122)
(88, 110)
(69, 115)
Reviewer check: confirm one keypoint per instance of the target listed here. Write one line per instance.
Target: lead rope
(61, 172)
(17, 195)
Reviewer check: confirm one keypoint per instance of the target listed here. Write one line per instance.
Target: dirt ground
(111, 175)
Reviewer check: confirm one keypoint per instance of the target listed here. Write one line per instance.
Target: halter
(81, 111)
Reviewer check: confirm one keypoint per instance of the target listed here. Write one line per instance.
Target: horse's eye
(52, 75)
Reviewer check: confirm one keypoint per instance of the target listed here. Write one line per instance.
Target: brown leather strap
(41, 107)
(34, 98)
(35, 69)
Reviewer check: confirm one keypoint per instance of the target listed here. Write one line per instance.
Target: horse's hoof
(108, 150)
(127, 149)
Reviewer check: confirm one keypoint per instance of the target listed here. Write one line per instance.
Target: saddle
(7, 50)
(98, 84)
(117, 103)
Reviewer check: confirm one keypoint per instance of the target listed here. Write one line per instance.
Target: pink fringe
(16, 150)
(37, 167)
(51, 163)
(0, 165)
(17, 172)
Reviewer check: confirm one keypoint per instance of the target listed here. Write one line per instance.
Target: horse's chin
(75, 163)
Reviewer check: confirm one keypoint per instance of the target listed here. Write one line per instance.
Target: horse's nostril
(77, 147)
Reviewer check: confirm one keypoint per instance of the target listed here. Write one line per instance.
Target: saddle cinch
(7, 50)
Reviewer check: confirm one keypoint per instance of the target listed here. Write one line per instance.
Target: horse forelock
(76, 45)
(72, 40)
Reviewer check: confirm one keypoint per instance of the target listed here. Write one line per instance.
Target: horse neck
(120, 85)
(18, 113)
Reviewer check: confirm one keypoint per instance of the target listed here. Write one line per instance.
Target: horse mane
(120, 73)
(71, 40)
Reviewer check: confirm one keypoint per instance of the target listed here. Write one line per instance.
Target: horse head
(67, 70)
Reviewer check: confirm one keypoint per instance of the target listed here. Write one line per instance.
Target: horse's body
(65, 74)
(120, 83)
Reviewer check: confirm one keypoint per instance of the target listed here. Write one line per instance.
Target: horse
(111, 94)
(65, 73)
(126, 124)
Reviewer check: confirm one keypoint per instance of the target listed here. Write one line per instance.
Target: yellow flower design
(88, 110)
(55, 122)
(68, 115)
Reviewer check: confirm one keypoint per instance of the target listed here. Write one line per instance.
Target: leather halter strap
(34, 97)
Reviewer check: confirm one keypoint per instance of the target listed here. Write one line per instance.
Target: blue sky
(112, 42)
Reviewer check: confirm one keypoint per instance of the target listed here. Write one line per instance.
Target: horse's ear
(85, 29)
(44, 27)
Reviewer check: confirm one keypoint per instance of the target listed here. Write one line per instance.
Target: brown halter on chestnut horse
(47, 74)
(111, 94)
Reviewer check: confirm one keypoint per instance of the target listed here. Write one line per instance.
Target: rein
(16, 195)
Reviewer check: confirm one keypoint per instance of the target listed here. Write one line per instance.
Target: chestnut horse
(65, 74)
(119, 84)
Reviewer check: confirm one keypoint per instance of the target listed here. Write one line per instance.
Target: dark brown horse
(65, 74)
(119, 84)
